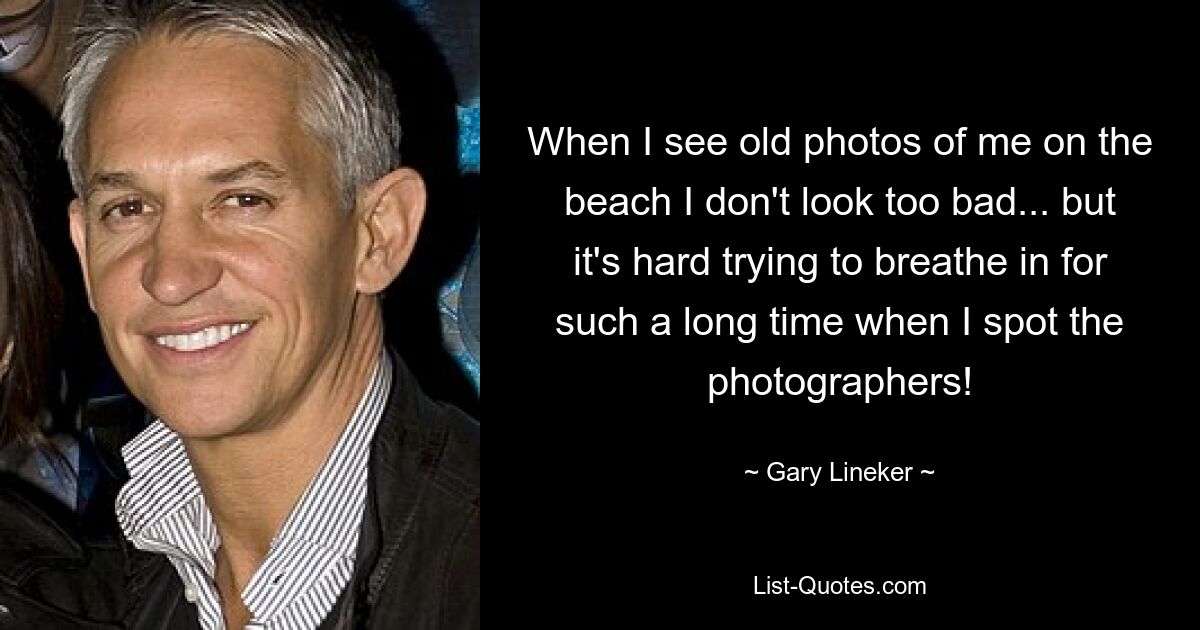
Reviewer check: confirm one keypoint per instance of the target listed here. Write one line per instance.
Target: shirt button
(189, 593)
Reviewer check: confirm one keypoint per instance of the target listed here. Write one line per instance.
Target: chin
(200, 420)
(199, 428)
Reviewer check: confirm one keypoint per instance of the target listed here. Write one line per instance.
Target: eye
(126, 209)
(245, 201)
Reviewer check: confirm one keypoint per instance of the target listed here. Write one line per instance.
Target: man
(239, 212)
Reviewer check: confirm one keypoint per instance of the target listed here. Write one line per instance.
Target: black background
(1061, 480)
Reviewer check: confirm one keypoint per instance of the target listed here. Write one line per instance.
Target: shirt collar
(162, 510)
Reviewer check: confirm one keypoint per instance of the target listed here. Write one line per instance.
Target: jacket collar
(405, 457)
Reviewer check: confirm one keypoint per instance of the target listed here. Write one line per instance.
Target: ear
(390, 212)
(79, 239)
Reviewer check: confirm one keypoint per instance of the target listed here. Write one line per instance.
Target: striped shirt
(309, 563)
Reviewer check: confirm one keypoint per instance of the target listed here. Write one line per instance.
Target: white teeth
(202, 339)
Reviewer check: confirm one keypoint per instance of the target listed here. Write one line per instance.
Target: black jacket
(418, 551)
(58, 570)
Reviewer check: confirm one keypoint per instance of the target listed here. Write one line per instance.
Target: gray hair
(349, 104)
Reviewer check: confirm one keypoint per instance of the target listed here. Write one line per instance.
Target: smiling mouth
(204, 338)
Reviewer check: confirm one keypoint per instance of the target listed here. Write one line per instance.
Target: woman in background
(57, 569)
(29, 316)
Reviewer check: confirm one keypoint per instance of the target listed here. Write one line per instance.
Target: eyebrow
(105, 180)
(123, 180)
(250, 170)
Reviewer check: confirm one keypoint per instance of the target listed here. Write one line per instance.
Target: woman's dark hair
(30, 295)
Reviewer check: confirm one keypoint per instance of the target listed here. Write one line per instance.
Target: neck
(252, 481)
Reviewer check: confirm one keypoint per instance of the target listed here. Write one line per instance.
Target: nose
(183, 260)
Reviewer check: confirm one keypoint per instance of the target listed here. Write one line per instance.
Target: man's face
(218, 261)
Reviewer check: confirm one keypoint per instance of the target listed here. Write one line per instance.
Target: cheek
(315, 259)
(115, 285)
(114, 264)
(296, 280)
